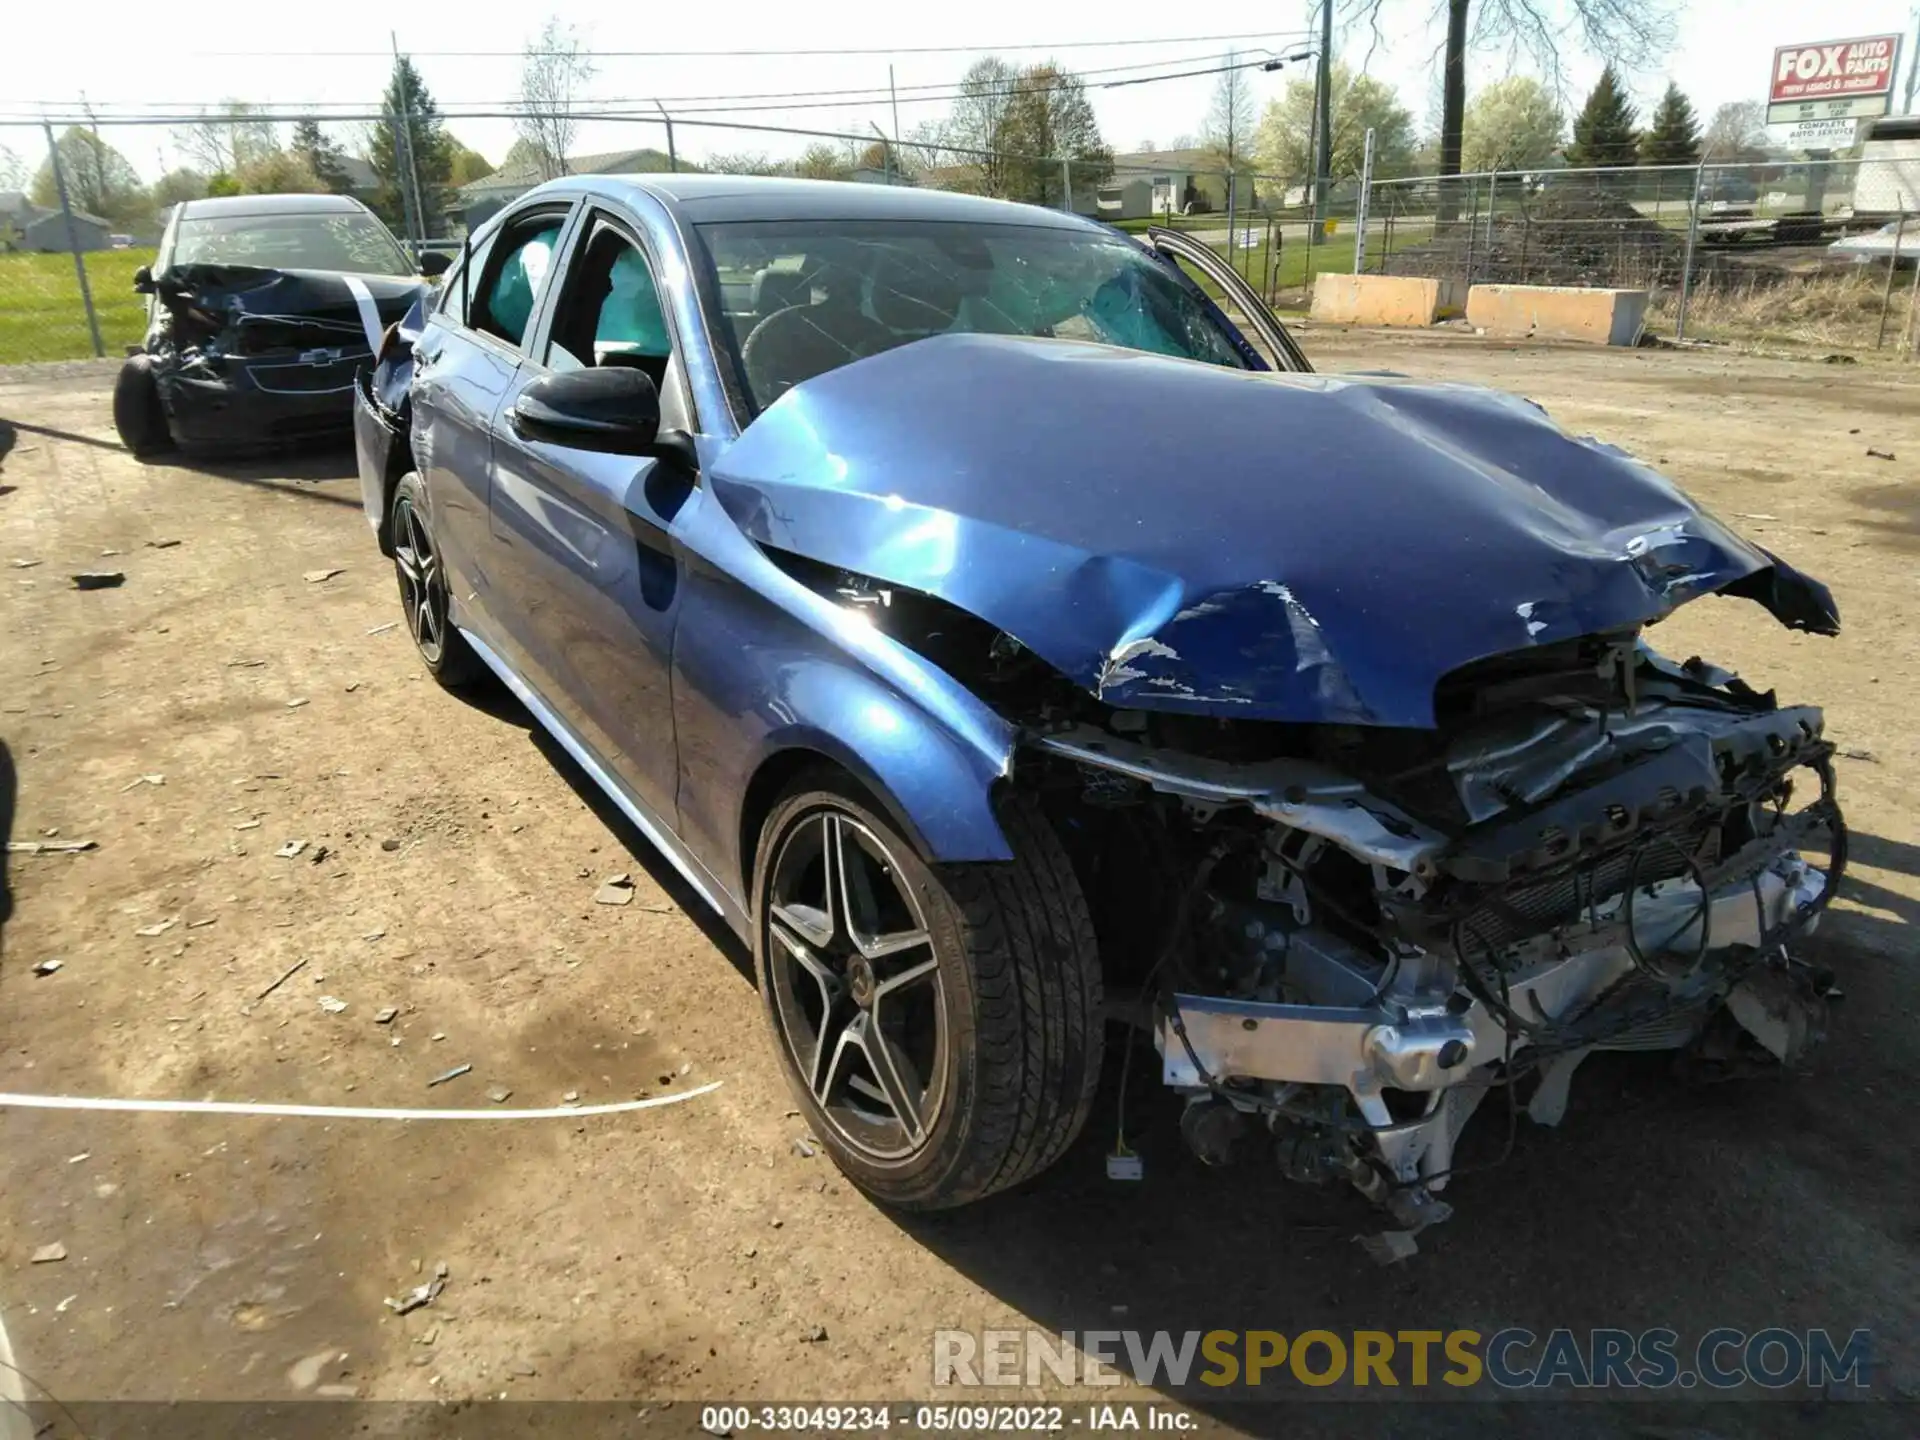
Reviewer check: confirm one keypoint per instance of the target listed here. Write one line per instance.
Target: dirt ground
(450, 865)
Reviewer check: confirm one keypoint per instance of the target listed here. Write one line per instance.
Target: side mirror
(434, 264)
(613, 410)
(143, 280)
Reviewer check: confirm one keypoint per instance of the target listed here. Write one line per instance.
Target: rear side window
(506, 300)
(456, 290)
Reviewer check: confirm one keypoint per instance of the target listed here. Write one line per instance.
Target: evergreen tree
(409, 115)
(322, 154)
(1673, 135)
(1603, 131)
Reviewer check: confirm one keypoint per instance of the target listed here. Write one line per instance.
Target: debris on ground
(1858, 752)
(813, 1335)
(47, 967)
(25, 564)
(333, 1005)
(161, 544)
(1879, 454)
(286, 975)
(314, 577)
(804, 1147)
(50, 847)
(422, 1294)
(386, 1015)
(295, 704)
(382, 629)
(48, 1254)
(454, 1074)
(159, 927)
(201, 924)
(246, 825)
(615, 890)
(521, 1368)
(291, 849)
(140, 780)
(499, 1094)
(245, 664)
(99, 579)
(389, 845)
(320, 852)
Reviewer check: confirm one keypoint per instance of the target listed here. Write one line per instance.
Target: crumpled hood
(1177, 536)
(304, 306)
(268, 291)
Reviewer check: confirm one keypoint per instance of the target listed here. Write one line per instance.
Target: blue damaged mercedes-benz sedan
(995, 620)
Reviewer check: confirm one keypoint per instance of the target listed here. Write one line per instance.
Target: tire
(1014, 990)
(423, 590)
(136, 408)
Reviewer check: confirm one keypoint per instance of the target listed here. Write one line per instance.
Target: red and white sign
(1833, 80)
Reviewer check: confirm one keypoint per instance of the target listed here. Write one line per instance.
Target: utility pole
(1323, 124)
(894, 96)
(1913, 65)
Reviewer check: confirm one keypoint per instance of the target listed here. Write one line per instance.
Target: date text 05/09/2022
(965, 1419)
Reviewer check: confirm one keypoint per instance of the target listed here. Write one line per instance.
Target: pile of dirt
(1568, 233)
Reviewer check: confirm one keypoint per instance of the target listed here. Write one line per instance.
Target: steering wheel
(803, 341)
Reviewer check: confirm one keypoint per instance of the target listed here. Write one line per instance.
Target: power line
(857, 95)
(492, 110)
(740, 53)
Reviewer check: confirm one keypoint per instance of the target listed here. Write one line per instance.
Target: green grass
(41, 317)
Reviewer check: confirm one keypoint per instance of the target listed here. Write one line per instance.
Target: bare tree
(1228, 131)
(555, 68)
(979, 119)
(1625, 32)
(1738, 131)
(225, 140)
(13, 173)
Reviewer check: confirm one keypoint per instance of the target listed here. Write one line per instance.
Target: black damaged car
(262, 309)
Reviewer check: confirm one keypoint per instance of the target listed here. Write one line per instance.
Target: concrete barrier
(1396, 300)
(1553, 312)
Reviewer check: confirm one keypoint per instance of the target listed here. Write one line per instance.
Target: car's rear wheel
(423, 589)
(137, 414)
(940, 1025)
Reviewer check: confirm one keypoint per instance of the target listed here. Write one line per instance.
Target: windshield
(342, 241)
(802, 297)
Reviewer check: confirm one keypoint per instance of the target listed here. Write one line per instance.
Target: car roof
(705, 198)
(241, 205)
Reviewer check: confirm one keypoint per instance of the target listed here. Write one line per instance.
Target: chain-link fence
(1821, 252)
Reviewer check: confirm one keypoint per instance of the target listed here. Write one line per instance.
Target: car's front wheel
(423, 589)
(940, 1025)
(137, 414)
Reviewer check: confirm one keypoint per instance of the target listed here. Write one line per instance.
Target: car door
(464, 362)
(581, 538)
(1281, 348)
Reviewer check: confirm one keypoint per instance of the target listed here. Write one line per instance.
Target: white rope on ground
(336, 1112)
(16, 1423)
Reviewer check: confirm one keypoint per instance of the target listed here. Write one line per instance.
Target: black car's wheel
(423, 589)
(136, 408)
(940, 1026)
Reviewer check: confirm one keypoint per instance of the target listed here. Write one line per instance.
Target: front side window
(801, 298)
(609, 312)
(342, 242)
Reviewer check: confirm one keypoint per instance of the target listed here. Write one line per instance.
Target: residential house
(1161, 182)
(482, 198)
(26, 226)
